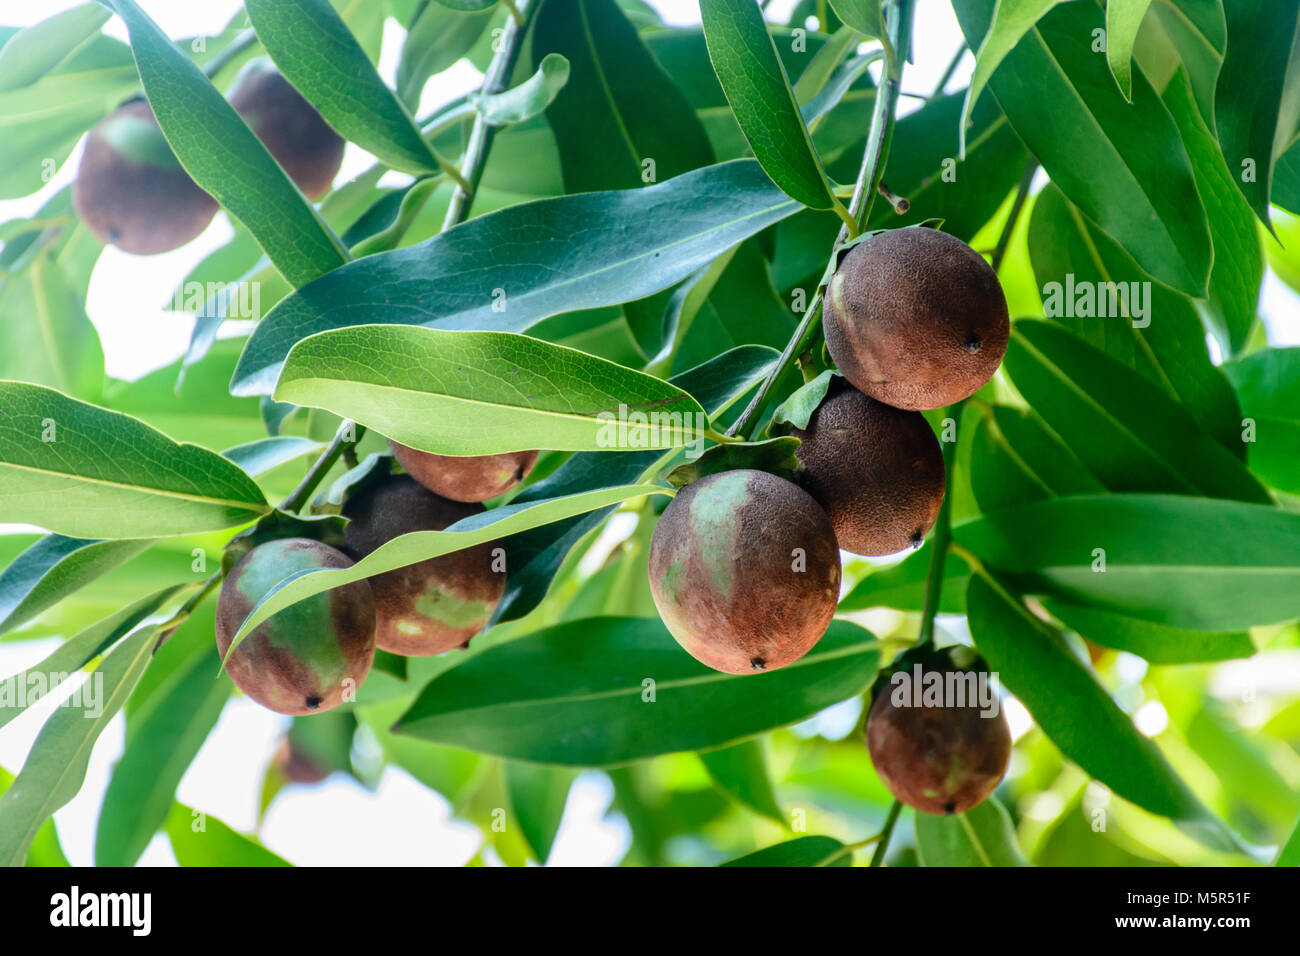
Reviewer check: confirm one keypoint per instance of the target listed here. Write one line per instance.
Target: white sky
(339, 823)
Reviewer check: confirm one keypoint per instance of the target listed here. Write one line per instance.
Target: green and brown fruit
(308, 657)
(943, 757)
(916, 318)
(745, 571)
(289, 127)
(876, 470)
(468, 479)
(298, 766)
(436, 605)
(130, 189)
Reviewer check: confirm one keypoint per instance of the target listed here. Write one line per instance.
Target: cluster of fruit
(131, 191)
(745, 565)
(310, 656)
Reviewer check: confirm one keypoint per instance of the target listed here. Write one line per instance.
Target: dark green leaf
(902, 586)
(1268, 386)
(1034, 663)
(53, 568)
(740, 771)
(1125, 429)
(1157, 643)
(581, 694)
(1123, 19)
(1199, 563)
(531, 255)
(745, 60)
(620, 110)
(799, 407)
(537, 796)
(1122, 164)
(1015, 458)
(1249, 96)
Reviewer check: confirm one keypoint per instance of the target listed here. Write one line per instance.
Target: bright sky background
(339, 823)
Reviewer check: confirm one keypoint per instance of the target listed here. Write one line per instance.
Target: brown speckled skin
(939, 760)
(722, 577)
(398, 505)
(472, 479)
(290, 128)
(141, 208)
(876, 470)
(916, 318)
(274, 664)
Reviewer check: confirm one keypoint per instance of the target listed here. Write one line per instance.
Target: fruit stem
(349, 433)
(231, 52)
(482, 133)
(886, 832)
(899, 29)
(941, 537)
(173, 623)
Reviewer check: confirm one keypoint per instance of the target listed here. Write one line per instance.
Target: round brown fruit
(433, 606)
(130, 190)
(937, 759)
(297, 765)
(876, 470)
(303, 659)
(470, 479)
(289, 127)
(916, 318)
(745, 571)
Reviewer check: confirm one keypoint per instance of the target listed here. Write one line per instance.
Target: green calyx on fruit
(469, 479)
(936, 732)
(915, 318)
(289, 127)
(876, 470)
(309, 657)
(745, 571)
(130, 190)
(433, 606)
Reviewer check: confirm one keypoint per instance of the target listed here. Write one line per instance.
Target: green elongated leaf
(45, 849)
(84, 471)
(224, 156)
(983, 836)
(1089, 281)
(1286, 180)
(902, 586)
(745, 60)
(862, 15)
(1015, 458)
(1034, 663)
(199, 839)
(317, 53)
(422, 545)
(78, 651)
(484, 393)
(536, 555)
(596, 679)
(1249, 103)
(529, 98)
(798, 409)
(53, 568)
(35, 50)
(740, 771)
(1157, 643)
(1199, 563)
(823, 66)
(437, 39)
(1268, 385)
(1238, 266)
(163, 742)
(1010, 21)
(532, 254)
(56, 766)
(1196, 37)
(1106, 155)
(1125, 429)
(803, 851)
(837, 86)
(621, 121)
(537, 796)
(260, 456)
(47, 338)
(1123, 19)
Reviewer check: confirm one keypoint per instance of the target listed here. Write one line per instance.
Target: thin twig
(952, 68)
(231, 52)
(886, 832)
(349, 433)
(1009, 227)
